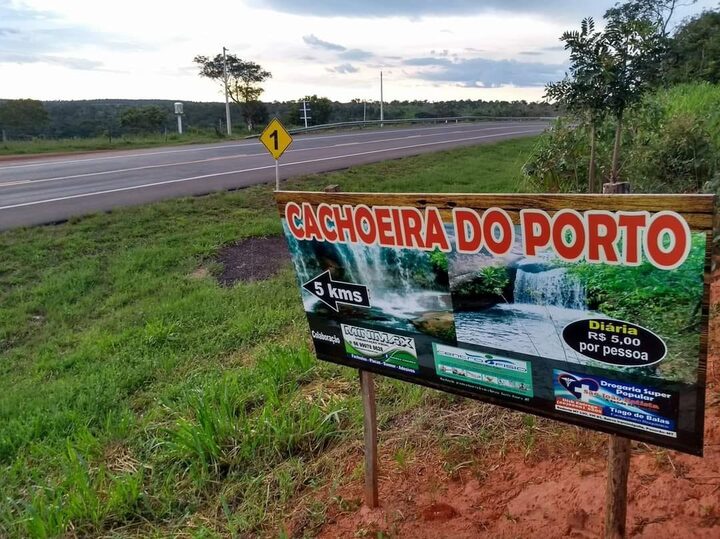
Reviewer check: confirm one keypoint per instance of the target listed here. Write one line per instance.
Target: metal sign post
(276, 140)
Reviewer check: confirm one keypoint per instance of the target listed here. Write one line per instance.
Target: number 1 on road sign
(276, 138)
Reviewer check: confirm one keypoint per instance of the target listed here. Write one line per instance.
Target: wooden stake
(618, 449)
(617, 188)
(367, 388)
(616, 493)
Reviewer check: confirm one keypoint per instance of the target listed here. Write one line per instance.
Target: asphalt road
(44, 190)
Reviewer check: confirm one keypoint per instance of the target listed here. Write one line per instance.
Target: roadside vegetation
(142, 397)
(671, 145)
(642, 105)
(122, 142)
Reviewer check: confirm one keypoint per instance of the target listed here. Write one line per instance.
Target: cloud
(554, 48)
(315, 41)
(530, 53)
(419, 8)
(344, 69)
(83, 64)
(482, 72)
(343, 52)
(356, 55)
(32, 36)
(430, 61)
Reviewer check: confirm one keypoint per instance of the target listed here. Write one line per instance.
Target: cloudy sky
(427, 49)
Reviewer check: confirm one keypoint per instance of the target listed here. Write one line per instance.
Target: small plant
(402, 457)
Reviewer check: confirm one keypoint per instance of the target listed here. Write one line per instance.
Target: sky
(427, 49)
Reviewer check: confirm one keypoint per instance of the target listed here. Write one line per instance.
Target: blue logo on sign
(578, 386)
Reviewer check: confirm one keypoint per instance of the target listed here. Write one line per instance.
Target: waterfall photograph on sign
(524, 304)
(408, 288)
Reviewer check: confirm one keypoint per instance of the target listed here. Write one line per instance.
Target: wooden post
(616, 492)
(367, 388)
(617, 188)
(618, 450)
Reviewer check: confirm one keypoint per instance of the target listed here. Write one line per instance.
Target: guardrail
(450, 119)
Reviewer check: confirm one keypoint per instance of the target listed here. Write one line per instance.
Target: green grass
(43, 146)
(140, 396)
(700, 101)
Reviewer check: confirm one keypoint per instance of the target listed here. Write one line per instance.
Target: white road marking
(204, 176)
(200, 148)
(12, 183)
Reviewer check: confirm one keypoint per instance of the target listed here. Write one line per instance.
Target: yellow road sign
(276, 138)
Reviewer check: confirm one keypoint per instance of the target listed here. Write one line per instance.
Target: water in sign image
(539, 302)
(403, 284)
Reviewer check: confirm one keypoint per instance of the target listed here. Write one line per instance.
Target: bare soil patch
(252, 259)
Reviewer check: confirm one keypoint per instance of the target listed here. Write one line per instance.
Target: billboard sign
(587, 309)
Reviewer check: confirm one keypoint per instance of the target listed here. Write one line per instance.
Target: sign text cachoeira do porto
(588, 309)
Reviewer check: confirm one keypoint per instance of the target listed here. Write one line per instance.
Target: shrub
(672, 142)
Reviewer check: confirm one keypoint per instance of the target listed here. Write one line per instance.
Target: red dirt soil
(560, 493)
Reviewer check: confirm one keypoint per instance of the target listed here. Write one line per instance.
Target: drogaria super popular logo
(629, 404)
(581, 388)
(378, 346)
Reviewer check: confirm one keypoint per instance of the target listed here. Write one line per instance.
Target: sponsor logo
(629, 404)
(483, 370)
(483, 359)
(379, 346)
(580, 388)
(387, 339)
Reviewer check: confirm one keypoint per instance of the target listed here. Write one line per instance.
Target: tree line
(26, 118)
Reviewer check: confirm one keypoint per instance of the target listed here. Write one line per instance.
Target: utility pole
(227, 103)
(382, 117)
(305, 113)
(364, 111)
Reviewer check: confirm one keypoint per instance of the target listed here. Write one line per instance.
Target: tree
(445, 109)
(243, 79)
(634, 49)
(319, 110)
(144, 119)
(22, 117)
(584, 91)
(695, 50)
(658, 12)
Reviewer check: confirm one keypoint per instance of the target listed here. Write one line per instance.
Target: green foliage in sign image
(665, 302)
(489, 281)
(439, 261)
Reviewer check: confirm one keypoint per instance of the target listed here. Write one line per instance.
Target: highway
(50, 189)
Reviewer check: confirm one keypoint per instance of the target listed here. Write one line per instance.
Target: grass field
(140, 398)
(44, 146)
